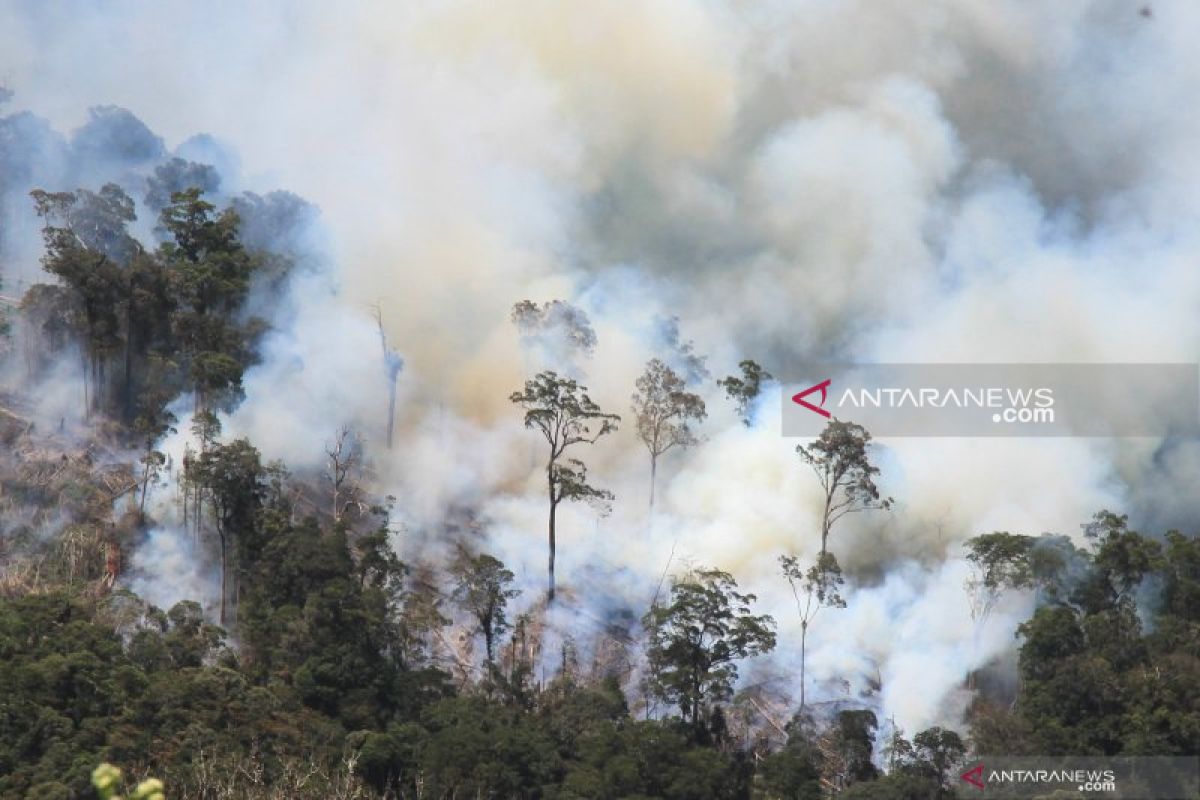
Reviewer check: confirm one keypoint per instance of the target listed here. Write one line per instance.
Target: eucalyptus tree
(665, 412)
(697, 638)
(561, 410)
(745, 389)
(841, 460)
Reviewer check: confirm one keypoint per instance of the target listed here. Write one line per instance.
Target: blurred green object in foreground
(107, 779)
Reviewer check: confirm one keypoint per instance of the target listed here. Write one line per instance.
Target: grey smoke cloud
(862, 181)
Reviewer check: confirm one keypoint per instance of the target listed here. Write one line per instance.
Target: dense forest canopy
(458, 473)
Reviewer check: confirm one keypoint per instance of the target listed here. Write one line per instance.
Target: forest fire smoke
(700, 183)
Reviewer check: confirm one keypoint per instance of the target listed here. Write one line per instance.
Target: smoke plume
(967, 180)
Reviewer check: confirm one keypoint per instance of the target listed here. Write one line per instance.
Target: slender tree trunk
(653, 475)
(553, 508)
(99, 393)
(825, 526)
(145, 483)
(223, 584)
(87, 405)
(336, 487)
(803, 655)
(391, 412)
(127, 390)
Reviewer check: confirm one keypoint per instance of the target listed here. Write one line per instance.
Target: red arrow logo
(974, 776)
(823, 388)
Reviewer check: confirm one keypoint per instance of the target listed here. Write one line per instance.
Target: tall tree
(151, 372)
(483, 586)
(743, 390)
(999, 562)
(87, 246)
(937, 753)
(211, 271)
(560, 409)
(1121, 558)
(153, 421)
(842, 464)
(847, 747)
(232, 476)
(697, 639)
(816, 588)
(664, 411)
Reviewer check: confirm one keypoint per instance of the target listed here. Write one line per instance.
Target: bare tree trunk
(392, 410)
(803, 655)
(87, 405)
(98, 393)
(653, 476)
(825, 526)
(336, 486)
(145, 484)
(127, 389)
(393, 364)
(223, 584)
(553, 507)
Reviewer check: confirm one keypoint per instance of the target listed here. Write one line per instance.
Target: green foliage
(563, 412)
(743, 391)
(565, 415)
(63, 680)
(1111, 666)
(1181, 568)
(665, 412)
(793, 771)
(899, 786)
(934, 756)
(151, 323)
(332, 689)
(820, 584)
(840, 458)
(850, 743)
(1121, 558)
(1000, 562)
(482, 588)
(322, 679)
(88, 246)
(813, 589)
(697, 639)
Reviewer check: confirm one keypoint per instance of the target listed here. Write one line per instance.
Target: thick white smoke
(967, 180)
